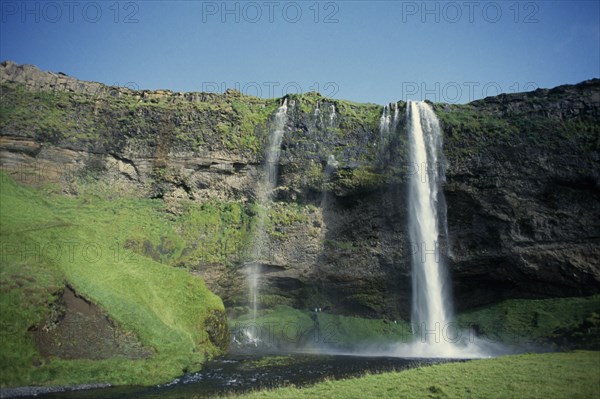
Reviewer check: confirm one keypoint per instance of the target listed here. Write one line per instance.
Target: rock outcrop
(522, 189)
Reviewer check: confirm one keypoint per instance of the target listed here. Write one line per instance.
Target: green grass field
(541, 376)
(48, 241)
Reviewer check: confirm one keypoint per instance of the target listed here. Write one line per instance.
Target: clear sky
(365, 51)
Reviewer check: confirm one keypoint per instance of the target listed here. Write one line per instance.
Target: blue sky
(366, 51)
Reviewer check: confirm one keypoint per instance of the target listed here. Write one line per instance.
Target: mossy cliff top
(232, 127)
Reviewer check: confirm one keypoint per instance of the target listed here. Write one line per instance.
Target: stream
(248, 372)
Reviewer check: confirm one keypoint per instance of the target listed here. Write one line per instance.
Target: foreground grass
(49, 241)
(544, 376)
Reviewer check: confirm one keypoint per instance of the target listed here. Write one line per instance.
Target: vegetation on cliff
(124, 121)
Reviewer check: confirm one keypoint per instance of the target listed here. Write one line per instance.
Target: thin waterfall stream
(265, 196)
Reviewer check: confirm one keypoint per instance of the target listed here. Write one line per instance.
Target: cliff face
(524, 199)
(522, 189)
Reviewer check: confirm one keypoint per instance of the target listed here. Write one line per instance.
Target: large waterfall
(430, 302)
(264, 195)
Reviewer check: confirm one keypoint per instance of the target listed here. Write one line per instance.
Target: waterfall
(396, 115)
(385, 125)
(264, 195)
(385, 122)
(332, 165)
(332, 113)
(430, 302)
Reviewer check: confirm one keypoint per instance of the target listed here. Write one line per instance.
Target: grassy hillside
(49, 241)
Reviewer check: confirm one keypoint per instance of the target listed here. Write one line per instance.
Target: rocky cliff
(522, 186)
